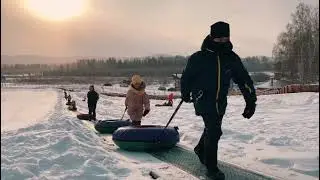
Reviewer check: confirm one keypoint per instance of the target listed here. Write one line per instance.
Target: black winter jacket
(93, 97)
(207, 77)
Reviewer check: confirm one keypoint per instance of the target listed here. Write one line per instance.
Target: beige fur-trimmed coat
(137, 101)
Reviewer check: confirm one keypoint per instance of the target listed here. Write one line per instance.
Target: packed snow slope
(59, 146)
(281, 139)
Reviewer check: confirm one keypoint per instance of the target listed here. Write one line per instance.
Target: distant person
(69, 99)
(72, 106)
(170, 99)
(207, 77)
(169, 102)
(137, 101)
(65, 94)
(92, 97)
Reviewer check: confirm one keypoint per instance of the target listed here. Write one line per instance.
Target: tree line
(161, 66)
(296, 52)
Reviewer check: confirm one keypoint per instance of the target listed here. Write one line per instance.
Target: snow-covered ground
(151, 89)
(281, 139)
(23, 108)
(60, 146)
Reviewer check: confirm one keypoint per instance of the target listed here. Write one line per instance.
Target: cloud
(144, 27)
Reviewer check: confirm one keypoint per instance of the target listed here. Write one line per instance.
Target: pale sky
(125, 28)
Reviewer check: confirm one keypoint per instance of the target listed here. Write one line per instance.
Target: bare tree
(297, 50)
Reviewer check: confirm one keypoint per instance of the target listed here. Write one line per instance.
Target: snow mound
(22, 108)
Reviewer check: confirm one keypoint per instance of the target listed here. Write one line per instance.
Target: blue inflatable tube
(146, 138)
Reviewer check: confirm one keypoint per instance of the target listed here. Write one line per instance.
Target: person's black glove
(249, 110)
(186, 98)
(145, 112)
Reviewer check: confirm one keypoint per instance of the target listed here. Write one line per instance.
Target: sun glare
(56, 10)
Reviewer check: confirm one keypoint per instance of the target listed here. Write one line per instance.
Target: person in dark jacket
(65, 94)
(92, 97)
(68, 100)
(205, 82)
(72, 106)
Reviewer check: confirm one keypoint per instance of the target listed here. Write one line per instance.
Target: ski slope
(281, 139)
(60, 146)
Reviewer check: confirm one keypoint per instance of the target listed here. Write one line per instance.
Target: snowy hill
(40, 139)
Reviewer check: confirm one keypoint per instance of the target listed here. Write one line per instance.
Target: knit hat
(136, 80)
(220, 29)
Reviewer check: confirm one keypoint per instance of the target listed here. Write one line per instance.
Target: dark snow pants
(92, 110)
(207, 148)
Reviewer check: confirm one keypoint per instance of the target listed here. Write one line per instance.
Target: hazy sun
(56, 10)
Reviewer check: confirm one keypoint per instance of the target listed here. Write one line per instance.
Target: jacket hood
(140, 90)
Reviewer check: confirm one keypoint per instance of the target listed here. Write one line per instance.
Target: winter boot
(199, 153)
(216, 175)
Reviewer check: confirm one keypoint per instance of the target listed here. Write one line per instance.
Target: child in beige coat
(137, 100)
